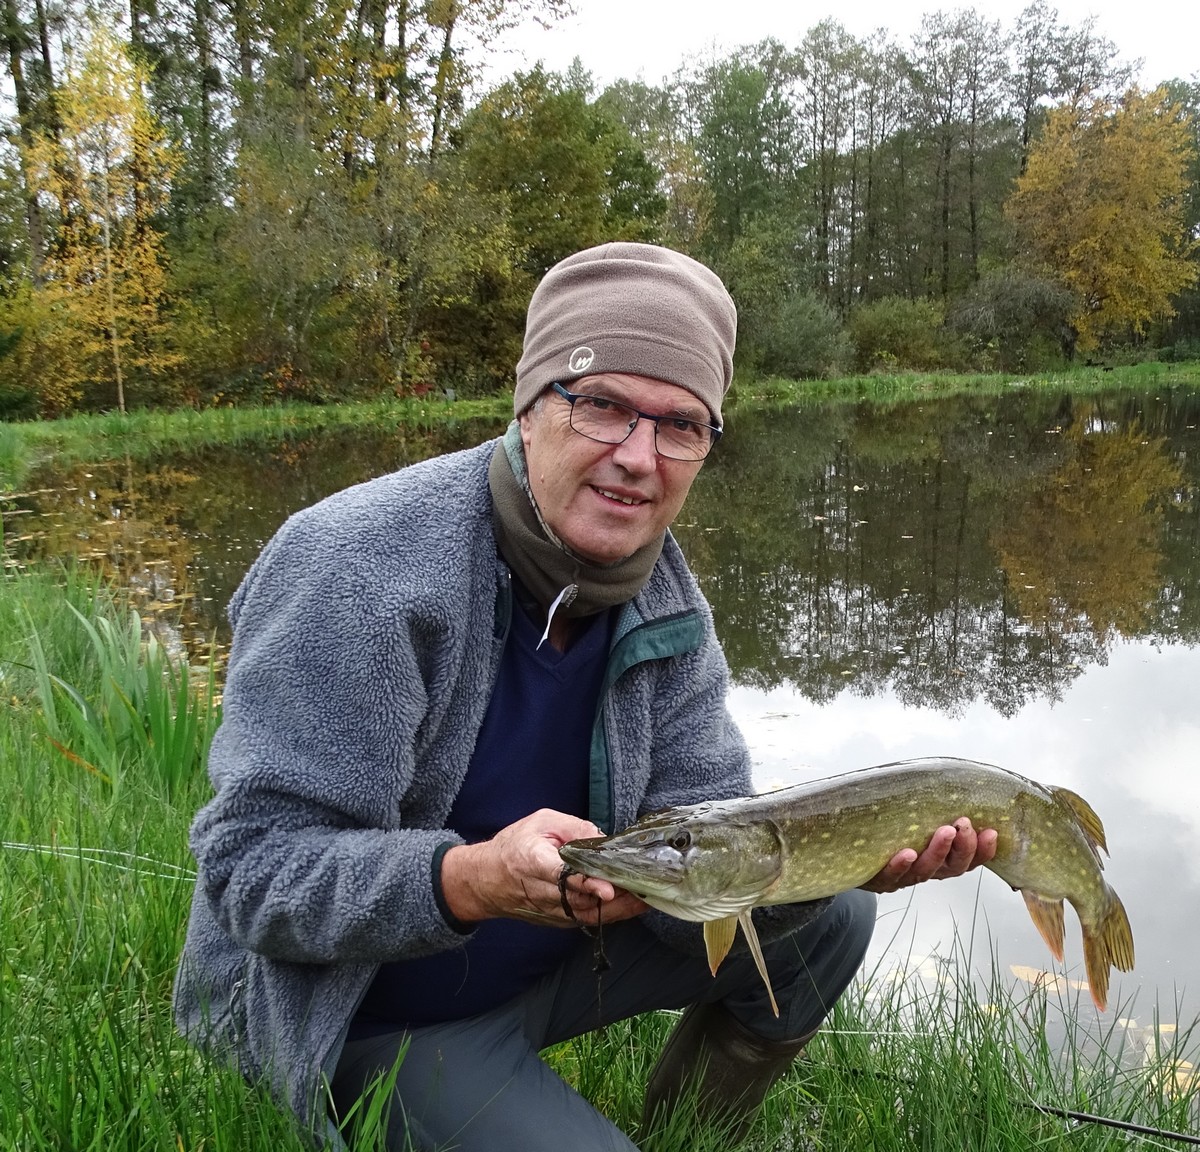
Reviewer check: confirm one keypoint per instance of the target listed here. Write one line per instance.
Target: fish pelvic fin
(1047, 917)
(1087, 819)
(748, 930)
(1107, 944)
(718, 939)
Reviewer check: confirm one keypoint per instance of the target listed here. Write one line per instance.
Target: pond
(1014, 579)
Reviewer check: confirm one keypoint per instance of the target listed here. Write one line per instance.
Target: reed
(100, 753)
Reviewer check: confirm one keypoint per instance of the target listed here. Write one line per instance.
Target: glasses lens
(601, 419)
(683, 439)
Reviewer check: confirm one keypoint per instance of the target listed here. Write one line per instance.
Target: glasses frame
(571, 397)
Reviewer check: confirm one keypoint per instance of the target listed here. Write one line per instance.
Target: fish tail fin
(1084, 815)
(751, 935)
(1108, 943)
(1047, 917)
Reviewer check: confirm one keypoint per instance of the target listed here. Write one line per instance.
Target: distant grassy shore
(102, 743)
(139, 434)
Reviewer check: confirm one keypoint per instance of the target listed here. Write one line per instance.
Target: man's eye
(597, 403)
(685, 427)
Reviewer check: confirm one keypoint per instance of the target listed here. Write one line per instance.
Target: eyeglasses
(604, 420)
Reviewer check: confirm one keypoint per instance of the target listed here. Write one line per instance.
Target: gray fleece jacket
(367, 638)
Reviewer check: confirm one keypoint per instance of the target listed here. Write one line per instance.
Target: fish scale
(718, 860)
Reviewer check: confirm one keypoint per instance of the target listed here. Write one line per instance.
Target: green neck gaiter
(543, 564)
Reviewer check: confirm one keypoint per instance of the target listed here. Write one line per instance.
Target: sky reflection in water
(1125, 736)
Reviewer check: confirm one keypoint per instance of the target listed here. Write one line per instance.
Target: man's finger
(932, 860)
(962, 849)
(989, 841)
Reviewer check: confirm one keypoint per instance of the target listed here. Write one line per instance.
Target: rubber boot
(716, 1060)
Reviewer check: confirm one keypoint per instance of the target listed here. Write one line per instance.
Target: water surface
(1010, 579)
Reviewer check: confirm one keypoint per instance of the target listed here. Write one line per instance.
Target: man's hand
(951, 851)
(515, 875)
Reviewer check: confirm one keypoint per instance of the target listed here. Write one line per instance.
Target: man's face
(605, 501)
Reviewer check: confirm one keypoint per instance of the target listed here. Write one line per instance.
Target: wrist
(435, 869)
(457, 885)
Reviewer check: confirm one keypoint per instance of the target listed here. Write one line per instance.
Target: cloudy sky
(625, 38)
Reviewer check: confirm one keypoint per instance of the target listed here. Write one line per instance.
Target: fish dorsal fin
(1082, 811)
(718, 939)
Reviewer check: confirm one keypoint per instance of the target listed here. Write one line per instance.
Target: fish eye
(681, 841)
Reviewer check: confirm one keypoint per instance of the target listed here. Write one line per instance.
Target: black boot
(728, 1069)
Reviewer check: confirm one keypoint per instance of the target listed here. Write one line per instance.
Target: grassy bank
(888, 387)
(101, 748)
(146, 433)
(142, 434)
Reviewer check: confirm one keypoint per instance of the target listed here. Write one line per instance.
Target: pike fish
(716, 861)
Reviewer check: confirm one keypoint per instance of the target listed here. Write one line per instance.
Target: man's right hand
(515, 875)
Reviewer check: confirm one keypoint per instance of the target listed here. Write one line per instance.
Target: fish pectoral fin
(718, 939)
(1047, 917)
(748, 930)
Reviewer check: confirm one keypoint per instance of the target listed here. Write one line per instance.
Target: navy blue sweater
(532, 753)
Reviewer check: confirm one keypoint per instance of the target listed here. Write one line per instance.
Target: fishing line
(600, 962)
(107, 857)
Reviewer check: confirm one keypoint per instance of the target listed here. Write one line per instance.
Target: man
(439, 677)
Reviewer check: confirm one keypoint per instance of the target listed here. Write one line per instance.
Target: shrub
(1013, 321)
(805, 339)
(897, 333)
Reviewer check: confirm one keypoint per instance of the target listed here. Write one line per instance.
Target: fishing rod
(1060, 1113)
(1109, 1122)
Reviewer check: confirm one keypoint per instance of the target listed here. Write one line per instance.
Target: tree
(1100, 208)
(883, 105)
(106, 173)
(827, 69)
(659, 121)
(1012, 321)
(1183, 330)
(748, 140)
(559, 172)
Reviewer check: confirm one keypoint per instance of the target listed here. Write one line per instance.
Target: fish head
(681, 862)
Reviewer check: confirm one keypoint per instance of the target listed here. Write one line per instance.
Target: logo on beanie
(581, 359)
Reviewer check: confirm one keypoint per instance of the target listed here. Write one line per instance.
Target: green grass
(900, 386)
(101, 747)
(100, 751)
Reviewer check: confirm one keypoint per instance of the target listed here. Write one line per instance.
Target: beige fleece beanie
(636, 308)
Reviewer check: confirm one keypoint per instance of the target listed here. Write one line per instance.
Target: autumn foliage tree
(1100, 207)
(95, 326)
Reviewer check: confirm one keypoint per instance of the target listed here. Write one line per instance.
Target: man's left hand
(951, 851)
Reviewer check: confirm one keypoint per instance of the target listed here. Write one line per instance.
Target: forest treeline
(221, 201)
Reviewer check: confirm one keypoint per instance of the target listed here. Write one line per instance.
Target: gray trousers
(478, 1085)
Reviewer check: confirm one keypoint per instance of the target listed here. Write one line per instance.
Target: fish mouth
(640, 869)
